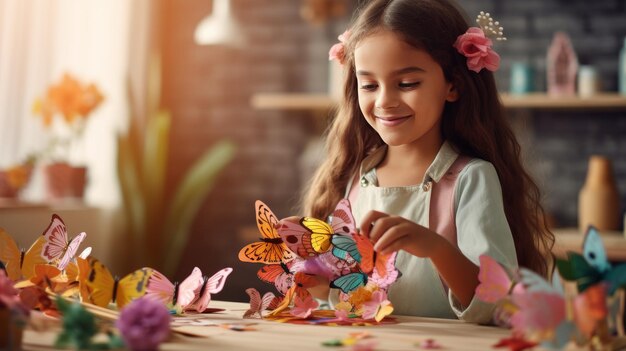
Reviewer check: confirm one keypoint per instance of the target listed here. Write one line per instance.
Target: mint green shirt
(481, 226)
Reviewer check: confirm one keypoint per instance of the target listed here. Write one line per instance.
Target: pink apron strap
(441, 217)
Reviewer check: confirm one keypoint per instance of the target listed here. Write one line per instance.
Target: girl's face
(401, 89)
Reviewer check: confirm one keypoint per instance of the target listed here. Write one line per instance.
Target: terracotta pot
(65, 181)
(10, 331)
(598, 200)
(8, 187)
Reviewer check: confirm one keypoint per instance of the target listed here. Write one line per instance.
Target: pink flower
(378, 307)
(338, 51)
(144, 324)
(304, 308)
(474, 45)
(9, 295)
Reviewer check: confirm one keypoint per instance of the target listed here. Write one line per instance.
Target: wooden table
(275, 336)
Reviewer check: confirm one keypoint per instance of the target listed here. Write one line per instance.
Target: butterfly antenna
(116, 282)
(175, 296)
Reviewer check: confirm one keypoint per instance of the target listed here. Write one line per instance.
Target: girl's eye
(368, 86)
(408, 84)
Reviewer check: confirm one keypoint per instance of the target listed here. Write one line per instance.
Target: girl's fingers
(393, 240)
(368, 221)
(381, 226)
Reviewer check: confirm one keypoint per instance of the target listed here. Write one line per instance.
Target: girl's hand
(393, 233)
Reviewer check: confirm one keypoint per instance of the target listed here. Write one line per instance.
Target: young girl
(420, 107)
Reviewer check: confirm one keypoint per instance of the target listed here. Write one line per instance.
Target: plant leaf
(187, 199)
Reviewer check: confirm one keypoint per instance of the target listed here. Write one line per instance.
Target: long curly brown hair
(474, 124)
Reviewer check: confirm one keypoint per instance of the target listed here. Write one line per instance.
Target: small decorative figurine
(562, 66)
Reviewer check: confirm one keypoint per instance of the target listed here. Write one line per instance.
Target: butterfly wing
(32, 257)
(297, 238)
(539, 312)
(576, 268)
(255, 303)
(366, 249)
(271, 249)
(101, 283)
(211, 285)
(321, 233)
(342, 220)
(189, 288)
(132, 286)
(71, 250)
(349, 282)
(83, 276)
(594, 252)
(10, 255)
(160, 288)
(392, 273)
(495, 282)
(277, 274)
(56, 239)
(345, 245)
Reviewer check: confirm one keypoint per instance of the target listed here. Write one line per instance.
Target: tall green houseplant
(160, 227)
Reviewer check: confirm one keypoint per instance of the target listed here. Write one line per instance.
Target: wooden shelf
(321, 101)
(571, 239)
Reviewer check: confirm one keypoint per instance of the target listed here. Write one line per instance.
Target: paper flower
(378, 307)
(474, 45)
(338, 51)
(71, 102)
(144, 324)
(304, 308)
(9, 296)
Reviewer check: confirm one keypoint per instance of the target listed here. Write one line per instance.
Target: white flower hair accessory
(475, 44)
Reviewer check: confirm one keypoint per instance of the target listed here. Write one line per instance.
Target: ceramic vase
(598, 200)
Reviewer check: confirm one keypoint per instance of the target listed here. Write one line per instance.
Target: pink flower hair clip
(475, 44)
(338, 51)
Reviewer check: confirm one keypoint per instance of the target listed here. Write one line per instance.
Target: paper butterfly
(349, 282)
(180, 296)
(592, 266)
(543, 309)
(378, 307)
(20, 264)
(278, 274)
(391, 274)
(258, 304)
(303, 307)
(210, 285)
(57, 245)
(495, 281)
(312, 236)
(106, 289)
(271, 248)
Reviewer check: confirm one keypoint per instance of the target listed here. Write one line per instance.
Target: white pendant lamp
(219, 28)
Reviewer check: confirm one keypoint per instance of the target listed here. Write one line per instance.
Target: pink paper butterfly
(57, 245)
(392, 274)
(303, 307)
(495, 282)
(258, 304)
(312, 236)
(178, 295)
(378, 307)
(211, 285)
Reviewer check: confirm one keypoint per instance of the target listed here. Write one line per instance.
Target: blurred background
(173, 117)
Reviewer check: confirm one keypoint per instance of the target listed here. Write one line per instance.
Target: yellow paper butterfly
(106, 289)
(20, 264)
(321, 233)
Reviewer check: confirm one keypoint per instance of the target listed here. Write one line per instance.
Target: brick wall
(208, 91)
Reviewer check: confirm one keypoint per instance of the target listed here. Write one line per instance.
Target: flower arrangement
(66, 107)
(15, 178)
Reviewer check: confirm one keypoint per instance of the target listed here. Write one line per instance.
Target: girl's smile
(401, 89)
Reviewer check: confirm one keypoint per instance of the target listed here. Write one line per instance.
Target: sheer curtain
(40, 40)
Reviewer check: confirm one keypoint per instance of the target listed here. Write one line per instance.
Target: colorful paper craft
(271, 249)
(20, 264)
(57, 245)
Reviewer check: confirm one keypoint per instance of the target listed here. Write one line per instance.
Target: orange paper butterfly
(271, 248)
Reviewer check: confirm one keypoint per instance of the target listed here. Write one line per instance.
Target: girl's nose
(386, 99)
